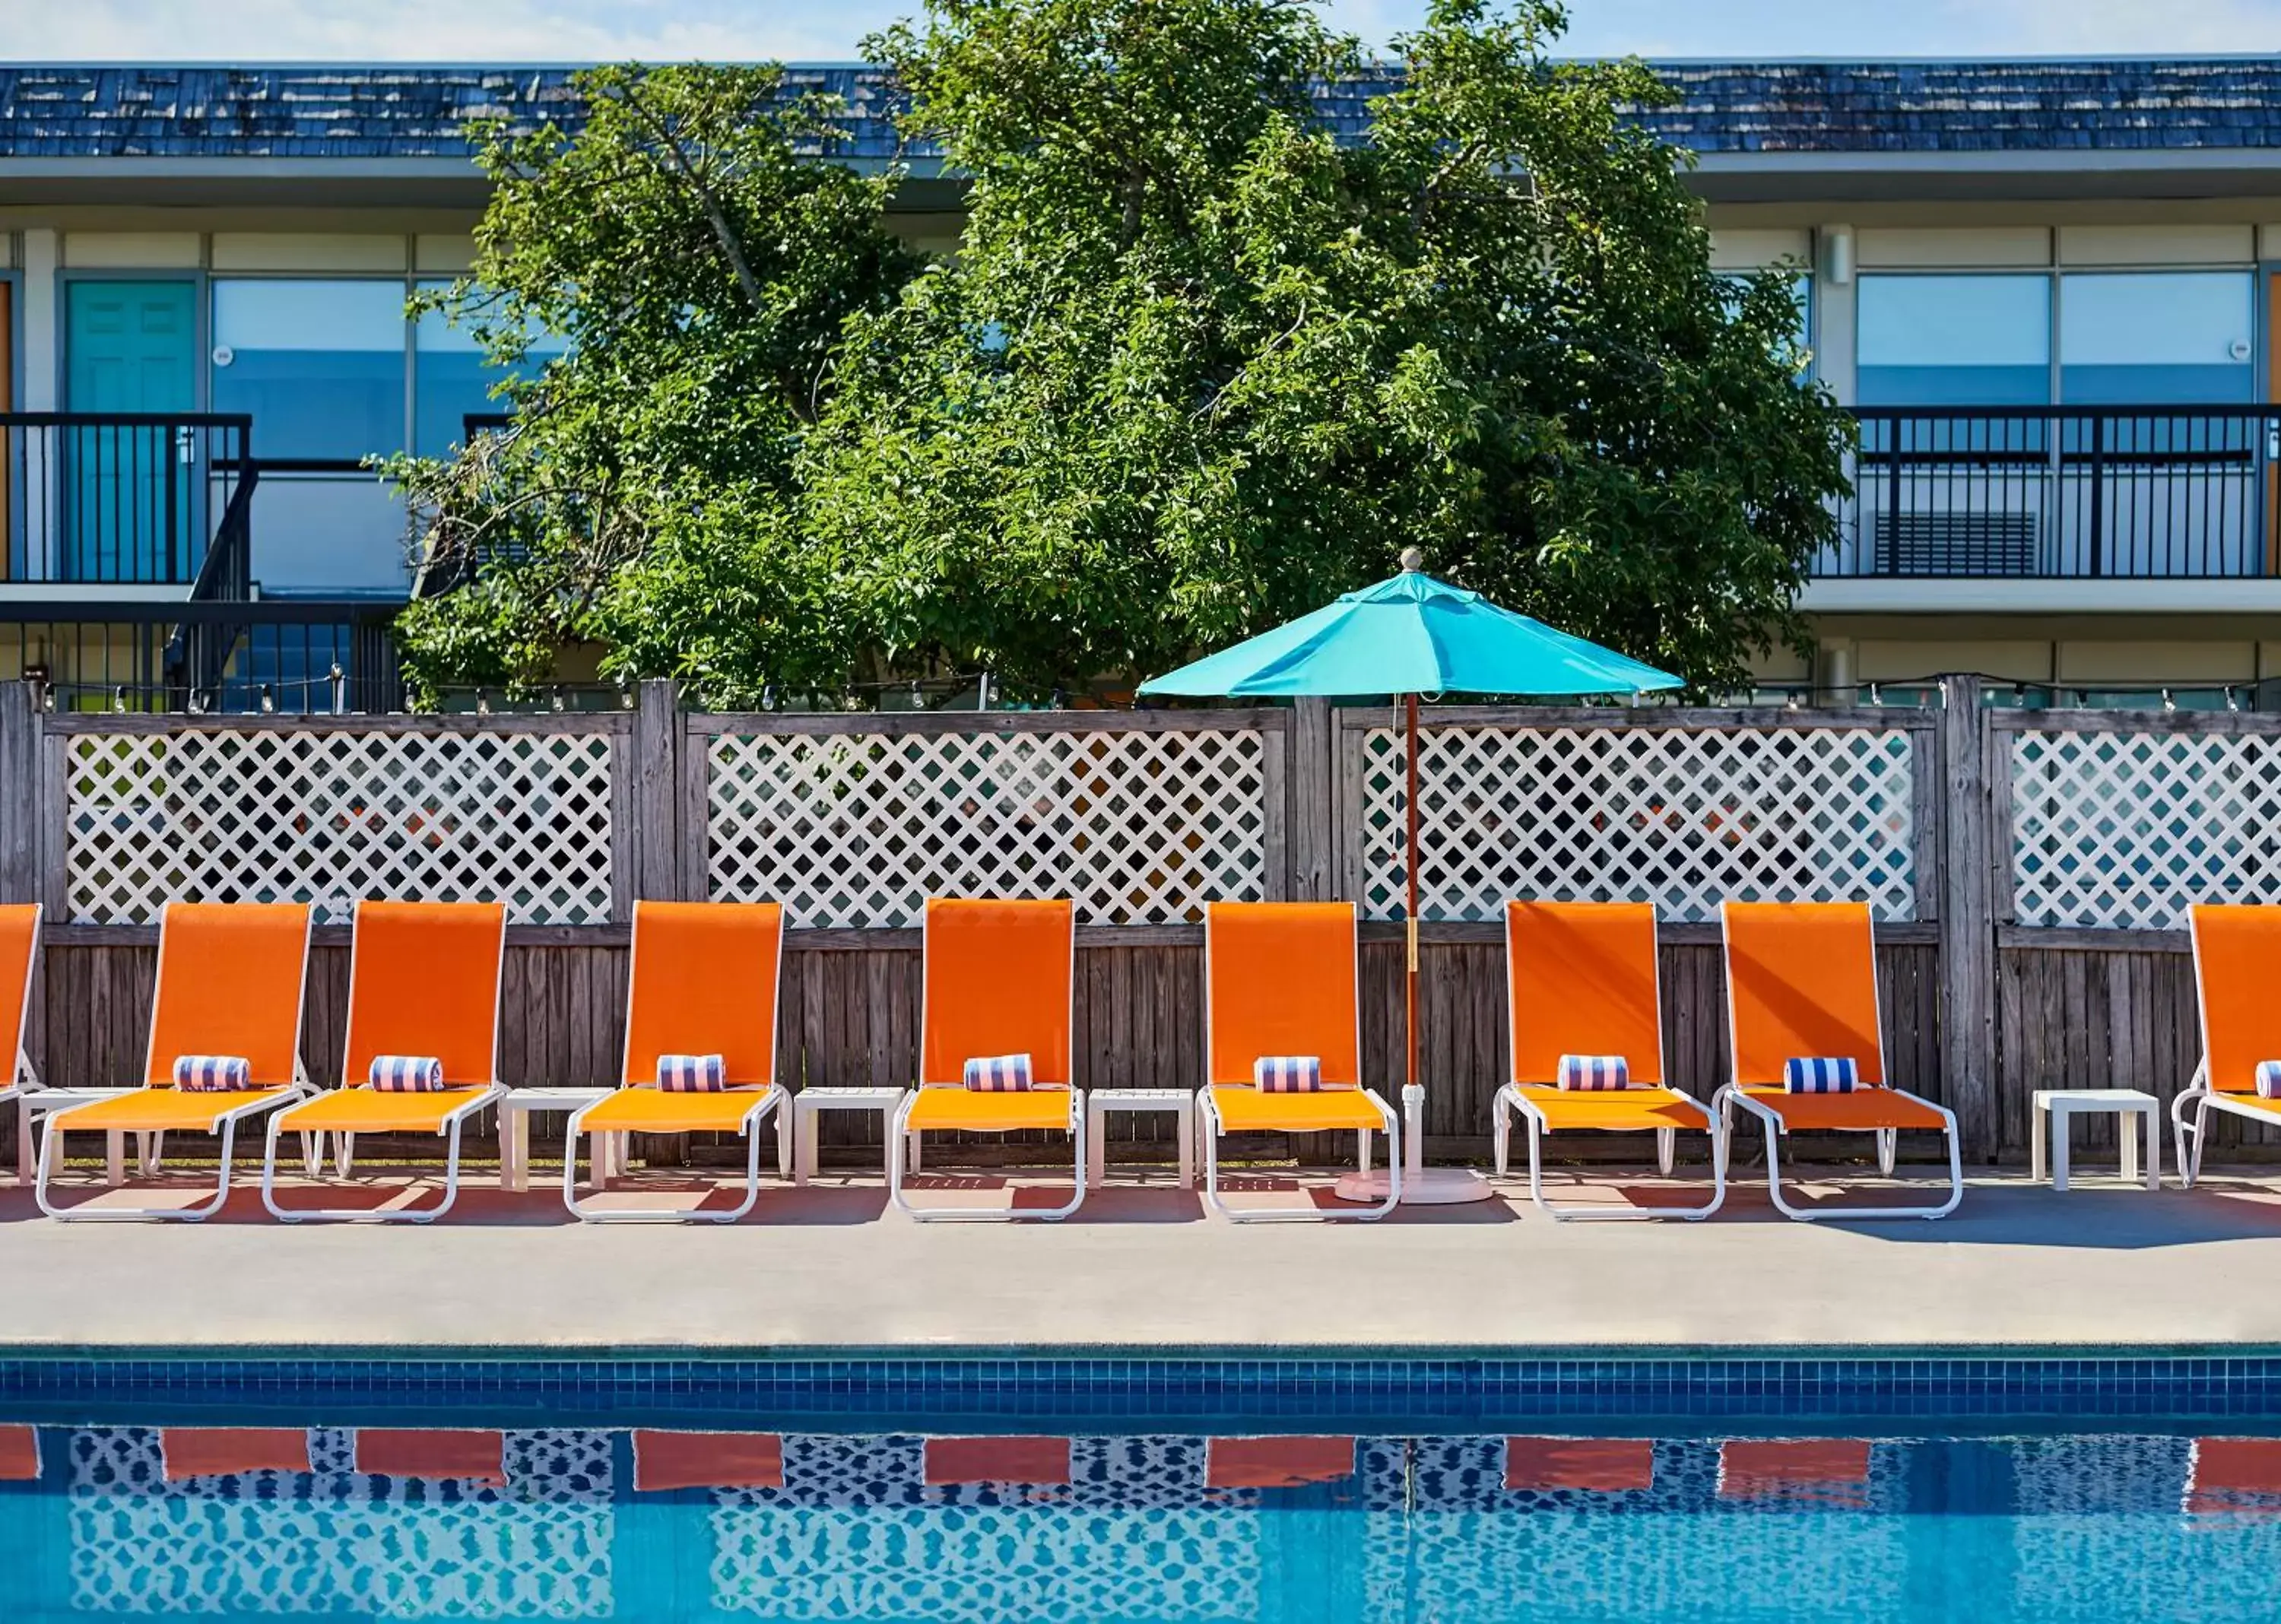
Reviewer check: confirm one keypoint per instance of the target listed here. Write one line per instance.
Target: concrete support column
(1833, 310)
(42, 323)
(31, 554)
(1833, 679)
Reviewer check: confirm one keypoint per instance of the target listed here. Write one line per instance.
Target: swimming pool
(282, 1487)
(652, 1525)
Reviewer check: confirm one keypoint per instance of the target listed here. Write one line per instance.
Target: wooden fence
(2027, 870)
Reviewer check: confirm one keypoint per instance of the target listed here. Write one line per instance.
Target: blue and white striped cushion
(1287, 1074)
(692, 1073)
(212, 1073)
(1821, 1075)
(999, 1074)
(1593, 1071)
(2269, 1080)
(407, 1073)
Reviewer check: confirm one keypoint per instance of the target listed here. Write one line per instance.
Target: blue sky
(578, 30)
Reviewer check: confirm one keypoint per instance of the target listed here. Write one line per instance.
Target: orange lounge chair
(1582, 980)
(1802, 984)
(2237, 949)
(704, 980)
(423, 980)
(1283, 978)
(999, 977)
(230, 978)
(20, 953)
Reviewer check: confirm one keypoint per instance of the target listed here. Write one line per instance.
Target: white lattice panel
(860, 829)
(2128, 831)
(326, 816)
(1682, 817)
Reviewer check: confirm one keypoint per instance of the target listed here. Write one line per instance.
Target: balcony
(119, 501)
(2057, 507)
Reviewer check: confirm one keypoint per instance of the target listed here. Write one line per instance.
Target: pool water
(651, 1526)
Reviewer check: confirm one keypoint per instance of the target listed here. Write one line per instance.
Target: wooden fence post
(657, 833)
(20, 803)
(1311, 785)
(1967, 923)
(23, 847)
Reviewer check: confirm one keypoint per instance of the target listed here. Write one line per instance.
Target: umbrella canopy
(1408, 636)
(1411, 634)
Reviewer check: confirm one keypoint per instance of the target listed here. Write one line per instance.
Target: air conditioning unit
(1962, 542)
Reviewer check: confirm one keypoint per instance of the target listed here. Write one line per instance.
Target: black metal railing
(117, 498)
(2070, 492)
(294, 656)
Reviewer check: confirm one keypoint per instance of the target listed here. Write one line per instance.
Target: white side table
(516, 1107)
(41, 1102)
(1100, 1101)
(809, 1102)
(2060, 1106)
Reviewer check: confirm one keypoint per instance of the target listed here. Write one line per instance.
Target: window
(2163, 337)
(451, 380)
(1955, 340)
(320, 364)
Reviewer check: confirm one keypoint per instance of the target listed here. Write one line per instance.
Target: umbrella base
(1431, 1187)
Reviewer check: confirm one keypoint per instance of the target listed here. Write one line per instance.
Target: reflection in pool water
(654, 1526)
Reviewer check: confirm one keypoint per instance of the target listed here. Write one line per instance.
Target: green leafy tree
(1199, 365)
(701, 262)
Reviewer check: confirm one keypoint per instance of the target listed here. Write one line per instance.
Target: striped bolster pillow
(212, 1073)
(1287, 1074)
(999, 1074)
(1821, 1075)
(407, 1073)
(692, 1073)
(2269, 1080)
(1593, 1071)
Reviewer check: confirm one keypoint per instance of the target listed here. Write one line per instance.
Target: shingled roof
(384, 111)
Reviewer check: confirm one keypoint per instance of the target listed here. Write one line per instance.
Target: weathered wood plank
(1310, 794)
(1967, 944)
(19, 795)
(656, 792)
(2071, 1018)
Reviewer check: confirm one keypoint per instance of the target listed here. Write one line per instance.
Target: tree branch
(714, 214)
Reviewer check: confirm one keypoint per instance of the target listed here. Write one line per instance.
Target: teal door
(131, 491)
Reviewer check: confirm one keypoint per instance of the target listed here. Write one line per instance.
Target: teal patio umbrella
(1408, 636)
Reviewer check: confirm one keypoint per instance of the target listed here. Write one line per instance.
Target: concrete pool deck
(831, 1266)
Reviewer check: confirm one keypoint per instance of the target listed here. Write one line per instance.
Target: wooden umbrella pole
(1409, 800)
